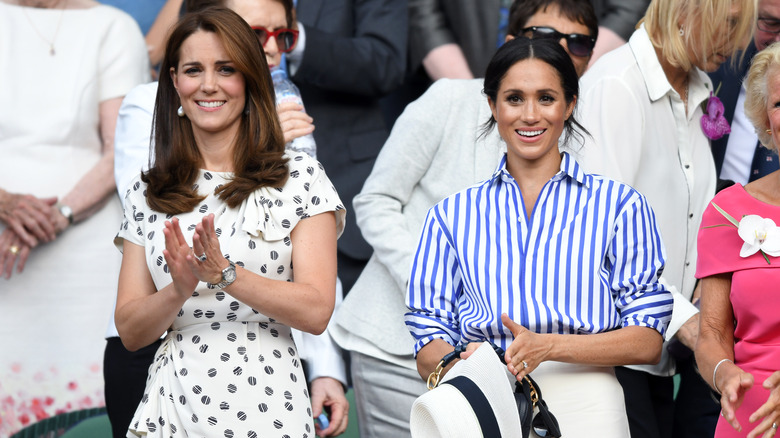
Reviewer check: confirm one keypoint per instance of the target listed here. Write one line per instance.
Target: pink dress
(755, 295)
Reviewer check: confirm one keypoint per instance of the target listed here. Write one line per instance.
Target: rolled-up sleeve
(435, 285)
(637, 257)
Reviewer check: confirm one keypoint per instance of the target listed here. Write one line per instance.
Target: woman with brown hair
(226, 292)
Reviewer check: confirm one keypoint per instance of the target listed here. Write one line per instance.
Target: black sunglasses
(285, 38)
(578, 44)
(544, 423)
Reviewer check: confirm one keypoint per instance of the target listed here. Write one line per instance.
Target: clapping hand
(203, 262)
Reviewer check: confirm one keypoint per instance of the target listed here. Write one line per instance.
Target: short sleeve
(131, 229)
(124, 60)
(718, 243)
(321, 194)
(274, 212)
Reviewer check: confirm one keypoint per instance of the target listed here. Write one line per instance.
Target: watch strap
(225, 281)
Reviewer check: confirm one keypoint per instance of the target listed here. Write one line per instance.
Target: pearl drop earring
(180, 112)
(682, 31)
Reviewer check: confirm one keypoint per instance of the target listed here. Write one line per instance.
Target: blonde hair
(765, 63)
(709, 16)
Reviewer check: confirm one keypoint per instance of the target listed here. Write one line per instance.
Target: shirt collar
(655, 78)
(569, 168)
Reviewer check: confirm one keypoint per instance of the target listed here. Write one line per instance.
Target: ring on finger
(13, 249)
(774, 426)
(202, 257)
(525, 364)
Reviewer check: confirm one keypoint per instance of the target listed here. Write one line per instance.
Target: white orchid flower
(759, 234)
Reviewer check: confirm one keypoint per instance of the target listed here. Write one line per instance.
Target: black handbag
(527, 393)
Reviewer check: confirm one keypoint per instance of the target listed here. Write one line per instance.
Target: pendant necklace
(52, 52)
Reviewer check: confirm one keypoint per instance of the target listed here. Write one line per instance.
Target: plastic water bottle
(286, 91)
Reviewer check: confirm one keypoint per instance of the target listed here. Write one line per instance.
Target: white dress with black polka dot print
(224, 369)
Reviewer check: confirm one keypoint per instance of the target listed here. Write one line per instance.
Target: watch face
(229, 274)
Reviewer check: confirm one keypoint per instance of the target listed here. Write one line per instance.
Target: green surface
(95, 427)
(352, 428)
(56, 426)
(93, 423)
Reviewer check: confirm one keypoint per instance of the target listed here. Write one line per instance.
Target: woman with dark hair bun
(228, 242)
(558, 267)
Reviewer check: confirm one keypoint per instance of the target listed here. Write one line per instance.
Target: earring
(246, 110)
(682, 31)
(769, 131)
(180, 112)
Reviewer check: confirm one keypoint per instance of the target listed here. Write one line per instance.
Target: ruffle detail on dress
(150, 416)
(308, 192)
(258, 213)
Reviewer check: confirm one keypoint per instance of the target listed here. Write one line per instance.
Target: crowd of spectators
(431, 128)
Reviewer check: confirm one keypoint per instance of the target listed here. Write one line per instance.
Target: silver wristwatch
(65, 211)
(228, 277)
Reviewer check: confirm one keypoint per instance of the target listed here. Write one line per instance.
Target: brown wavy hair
(259, 145)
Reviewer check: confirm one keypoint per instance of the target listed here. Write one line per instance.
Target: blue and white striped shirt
(588, 260)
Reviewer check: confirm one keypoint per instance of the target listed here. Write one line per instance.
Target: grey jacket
(434, 150)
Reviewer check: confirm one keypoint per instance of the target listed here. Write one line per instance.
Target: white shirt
(131, 155)
(641, 136)
(741, 146)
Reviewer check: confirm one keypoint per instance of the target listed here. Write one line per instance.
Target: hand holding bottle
(287, 93)
(295, 122)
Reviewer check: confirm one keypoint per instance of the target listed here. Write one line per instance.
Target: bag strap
(435, 376)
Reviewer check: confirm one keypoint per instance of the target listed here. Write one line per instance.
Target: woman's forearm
(631, 345)
(307, 302)
(302, 306)
(93, 190)
(142, 321)
(430, 355)
(716, 328)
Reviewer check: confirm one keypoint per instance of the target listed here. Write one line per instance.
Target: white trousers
(586, 400)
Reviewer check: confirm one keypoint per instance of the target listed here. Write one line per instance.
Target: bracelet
(715, 371)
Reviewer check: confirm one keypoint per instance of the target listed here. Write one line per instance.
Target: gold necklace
(52, 52)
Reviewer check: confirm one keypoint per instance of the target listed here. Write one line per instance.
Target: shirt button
(519, 218)
(687, 263)
(687, 166)
(690, 216)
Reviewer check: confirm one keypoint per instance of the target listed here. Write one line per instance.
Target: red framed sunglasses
(285, 38)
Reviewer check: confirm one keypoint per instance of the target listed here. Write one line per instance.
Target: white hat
(457, 409)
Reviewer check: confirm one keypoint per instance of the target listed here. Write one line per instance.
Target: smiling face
(212, 92)
(269, 14)
(530, 111)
